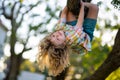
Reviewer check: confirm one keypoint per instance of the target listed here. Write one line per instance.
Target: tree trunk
(15, 60)
(111, 63)
(14, 67)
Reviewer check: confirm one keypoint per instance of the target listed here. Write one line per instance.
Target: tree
(15, 11)
(116, 3)
(110, 64)
(15, 60)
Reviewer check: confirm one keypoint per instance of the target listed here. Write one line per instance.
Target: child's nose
(57, 35)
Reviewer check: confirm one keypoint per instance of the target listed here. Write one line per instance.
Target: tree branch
(18, 11)
(24, 50)
(110, 64)
(24, 44)
(4, 13)
(27, 12)
(32, 6)
(13, 9)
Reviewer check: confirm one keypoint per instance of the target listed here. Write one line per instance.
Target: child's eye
(53, 35)
(57, 39)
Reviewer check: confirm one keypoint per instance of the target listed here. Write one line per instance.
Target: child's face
(58, 38)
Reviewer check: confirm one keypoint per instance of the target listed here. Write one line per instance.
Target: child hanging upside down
(55, 48)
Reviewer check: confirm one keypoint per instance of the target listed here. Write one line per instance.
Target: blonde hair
(54, 59)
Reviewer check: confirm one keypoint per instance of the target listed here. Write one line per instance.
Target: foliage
(116, 3)
(85, 65)
(29, 66)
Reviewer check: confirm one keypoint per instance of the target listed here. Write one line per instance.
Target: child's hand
(63, 15)
(81, 3)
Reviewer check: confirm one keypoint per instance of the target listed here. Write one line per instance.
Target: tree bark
(15, 60)
(14, 67)
(111, 63)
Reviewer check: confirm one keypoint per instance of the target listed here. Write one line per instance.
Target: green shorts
(88, 26)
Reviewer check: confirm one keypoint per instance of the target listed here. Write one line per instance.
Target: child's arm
(81, 16)
(62, 20)
(63, 15)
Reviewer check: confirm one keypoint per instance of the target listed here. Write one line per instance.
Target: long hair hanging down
(54, 59)
(74, 7)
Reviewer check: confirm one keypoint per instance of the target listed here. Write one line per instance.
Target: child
(91, 14)
(55, 48)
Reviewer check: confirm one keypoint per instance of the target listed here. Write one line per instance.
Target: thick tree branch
(110, 64)
(4, 12)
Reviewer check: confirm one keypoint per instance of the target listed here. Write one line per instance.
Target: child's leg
(93, 10)
(90, 21)
(63, 15)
